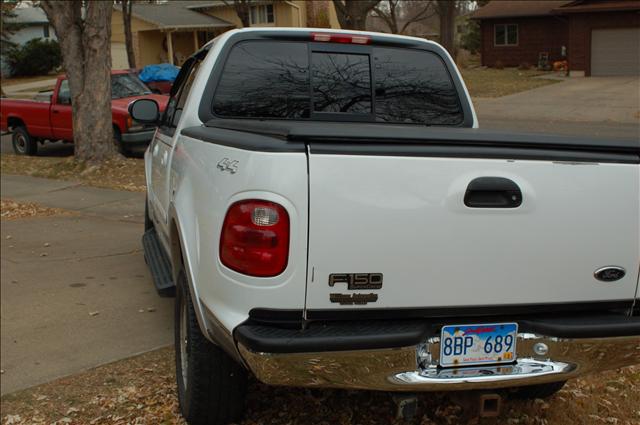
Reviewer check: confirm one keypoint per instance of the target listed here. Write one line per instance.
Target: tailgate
(401, 220)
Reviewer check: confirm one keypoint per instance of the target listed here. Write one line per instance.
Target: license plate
(464, 345)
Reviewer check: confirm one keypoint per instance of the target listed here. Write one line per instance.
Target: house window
(506, 35)
(45, 30)
(262, 14)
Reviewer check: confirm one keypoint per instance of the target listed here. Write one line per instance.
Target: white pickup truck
(328, 214)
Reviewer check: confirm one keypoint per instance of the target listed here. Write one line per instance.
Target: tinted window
(341, 83)
(264, 79)
(274, 79)
(414, 87)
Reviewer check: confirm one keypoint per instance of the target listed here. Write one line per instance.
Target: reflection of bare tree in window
(269, 80)
(341, 83)
(414, 87)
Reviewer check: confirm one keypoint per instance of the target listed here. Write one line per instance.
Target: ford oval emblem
(609, 273)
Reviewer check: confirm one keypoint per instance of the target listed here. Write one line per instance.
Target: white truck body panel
(405, 217)
(204, 194)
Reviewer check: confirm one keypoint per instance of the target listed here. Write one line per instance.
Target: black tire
(117, 140)
(23, 143)
(148, 224)
(537, 391)
(211, 385)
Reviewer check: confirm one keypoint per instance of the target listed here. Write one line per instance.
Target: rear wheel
(537, 391)
(23, 143)
(211, 385)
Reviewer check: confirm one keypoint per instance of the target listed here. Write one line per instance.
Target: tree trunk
(86, 56)
(352, 14)
(128, 37)
(243, 10)
(447, 13)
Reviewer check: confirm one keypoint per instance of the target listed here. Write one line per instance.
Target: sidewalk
(76, 292)
(104, 203)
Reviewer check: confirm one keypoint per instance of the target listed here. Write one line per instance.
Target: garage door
(615, 51)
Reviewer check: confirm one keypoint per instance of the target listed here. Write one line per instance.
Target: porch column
(195, 41)
(170, 47)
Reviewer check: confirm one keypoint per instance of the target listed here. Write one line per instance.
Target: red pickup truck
(48, 117)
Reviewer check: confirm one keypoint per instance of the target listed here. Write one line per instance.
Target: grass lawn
(490, 82)
(142, 390)
(120, 174)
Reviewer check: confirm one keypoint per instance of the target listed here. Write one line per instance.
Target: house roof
(27, 16)
(219, 3)
(512, 9)
(582, 6)
(175, 14)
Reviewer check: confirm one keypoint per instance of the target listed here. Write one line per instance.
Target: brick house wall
(580, 27)
(535, 35)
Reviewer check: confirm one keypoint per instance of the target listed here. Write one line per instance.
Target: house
(171, 31)
(596, 37)
(31, 22)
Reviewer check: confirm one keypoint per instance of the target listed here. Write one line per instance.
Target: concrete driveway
(76, 292)
(592, 99)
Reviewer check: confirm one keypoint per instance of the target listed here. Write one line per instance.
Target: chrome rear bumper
(416, 368)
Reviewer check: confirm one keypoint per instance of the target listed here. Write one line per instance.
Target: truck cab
(49, 116)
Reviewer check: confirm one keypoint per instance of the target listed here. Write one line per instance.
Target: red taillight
(329, 37)
(255, 238)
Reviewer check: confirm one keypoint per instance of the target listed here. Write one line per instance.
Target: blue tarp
(160, 72)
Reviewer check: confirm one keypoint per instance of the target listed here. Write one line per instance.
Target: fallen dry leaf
(11, 210)
(118, 393)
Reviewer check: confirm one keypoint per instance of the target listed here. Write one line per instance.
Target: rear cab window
(326, 81)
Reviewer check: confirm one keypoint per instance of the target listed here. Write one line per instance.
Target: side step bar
(158, 263)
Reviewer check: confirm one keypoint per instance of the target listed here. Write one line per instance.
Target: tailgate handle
(492, 192)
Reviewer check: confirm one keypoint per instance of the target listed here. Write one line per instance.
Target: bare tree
(128, 37)
(243, 10)
(318, 14)
(85, 38)
(352, 14)
(400, 14)
(446, 10)
(7, 28)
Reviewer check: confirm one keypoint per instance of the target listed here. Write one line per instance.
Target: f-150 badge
(357, 281)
